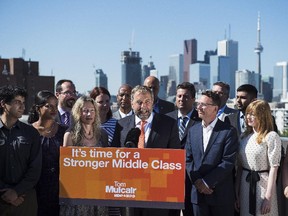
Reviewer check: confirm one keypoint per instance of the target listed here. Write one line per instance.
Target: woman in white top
(258, 162)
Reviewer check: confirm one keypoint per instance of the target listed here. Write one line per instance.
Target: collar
(188, 114)
(149, 120)
(220, 111)
(17, 124)
(211, 125)
(124, 114)
(61, 111)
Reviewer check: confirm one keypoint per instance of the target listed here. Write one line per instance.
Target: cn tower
(258, 50)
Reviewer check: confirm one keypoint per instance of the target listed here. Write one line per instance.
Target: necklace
(88, 138)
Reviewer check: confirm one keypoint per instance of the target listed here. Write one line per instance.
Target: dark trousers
(208, 210)
(27, 208)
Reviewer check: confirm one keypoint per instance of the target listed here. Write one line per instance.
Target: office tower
(176, 68)
(163, 87)
(258, 50)
(207, 55)
(25, 74)
(131, 68)
(246, 77)
(280, 81)
(101, 79)
(147, 69)
(190, 57)
(200, 73)
(267, 87)
(228, 49)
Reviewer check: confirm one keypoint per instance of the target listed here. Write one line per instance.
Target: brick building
(25, 74)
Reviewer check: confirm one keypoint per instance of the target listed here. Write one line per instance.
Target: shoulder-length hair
(76, 128)
(101, 90)
(262, 112)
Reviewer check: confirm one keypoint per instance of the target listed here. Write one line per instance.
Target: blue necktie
(182, 126)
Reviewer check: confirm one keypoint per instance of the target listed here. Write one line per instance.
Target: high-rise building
(190, 57)
(200, 73)
(131, 68)
(25, 74)
(101, 79)
(228, 48)
(246, 77)
(147, 69)
(176, 68)
(280, 81)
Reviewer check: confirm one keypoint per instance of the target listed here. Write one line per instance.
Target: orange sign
(128, 177)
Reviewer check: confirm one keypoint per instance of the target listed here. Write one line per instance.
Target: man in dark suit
(66, 94)
(160, 106)
(124, 102)
(187, 116)
(160, 131)
(223, 90)
(211, 153)
(245, 95)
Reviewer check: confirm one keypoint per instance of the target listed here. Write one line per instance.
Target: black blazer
(194, 118)
(163, 132)
(165, 106)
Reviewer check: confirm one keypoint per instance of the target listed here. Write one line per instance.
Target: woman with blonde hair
(85, 127)
(85, 131)
(258, 161)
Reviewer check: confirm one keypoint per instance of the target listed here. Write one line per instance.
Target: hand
(286, 192)
(18, 201)
(202, 188)
(237, 205)
(266, 206)
(9, 195)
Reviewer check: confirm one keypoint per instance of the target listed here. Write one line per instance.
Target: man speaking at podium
(156, 131)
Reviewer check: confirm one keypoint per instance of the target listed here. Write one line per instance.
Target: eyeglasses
(69, 93)
(200, 104)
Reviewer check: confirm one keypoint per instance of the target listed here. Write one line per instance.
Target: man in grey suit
(124, 102)
(160, 131)
(187, 116)
(223, 90)
(159, 106)
(210, 156)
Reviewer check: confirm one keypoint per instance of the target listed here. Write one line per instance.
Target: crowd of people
(234, 157)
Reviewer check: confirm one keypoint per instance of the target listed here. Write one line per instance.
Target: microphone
(132, 138)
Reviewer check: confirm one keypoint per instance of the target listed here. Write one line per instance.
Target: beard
(70, 102)
(143, 114)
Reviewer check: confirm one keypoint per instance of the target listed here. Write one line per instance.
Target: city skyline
(73, 39)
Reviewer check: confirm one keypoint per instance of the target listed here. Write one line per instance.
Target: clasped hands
(10, 196)
(202, 187)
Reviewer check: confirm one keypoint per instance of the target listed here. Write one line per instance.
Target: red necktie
(141, 141)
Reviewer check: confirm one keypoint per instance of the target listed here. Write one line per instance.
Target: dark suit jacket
(165, 106)
(163, 132)
(193, 119)
(215, 165)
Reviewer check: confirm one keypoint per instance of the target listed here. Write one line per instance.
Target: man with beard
(124, 102)
(20, 156)
(157, 131)
(66, 95)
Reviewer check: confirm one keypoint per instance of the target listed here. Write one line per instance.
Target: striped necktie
(67, 118)
(182, 126)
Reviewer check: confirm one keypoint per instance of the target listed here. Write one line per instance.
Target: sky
(72, 38)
